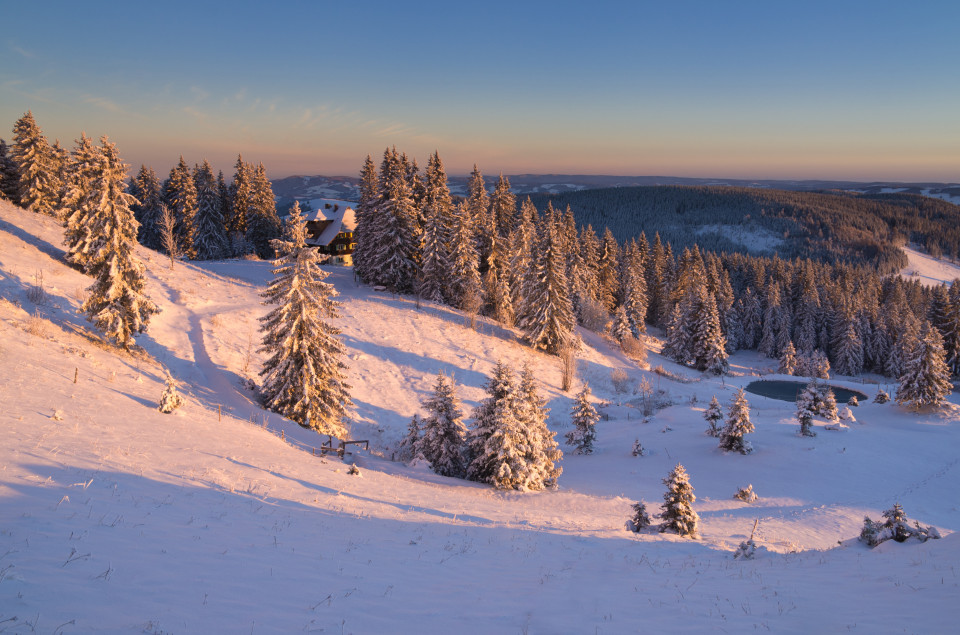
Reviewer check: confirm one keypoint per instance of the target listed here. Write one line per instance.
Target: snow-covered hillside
(928, 270)
(220, 518)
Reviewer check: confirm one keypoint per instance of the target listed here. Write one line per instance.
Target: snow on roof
(340, 213)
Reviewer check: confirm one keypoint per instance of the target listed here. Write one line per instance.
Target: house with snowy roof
(330, 229)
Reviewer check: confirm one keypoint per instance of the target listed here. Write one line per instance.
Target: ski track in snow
(115, 517)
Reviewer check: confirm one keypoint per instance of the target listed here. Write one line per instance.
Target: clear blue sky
(841, 90)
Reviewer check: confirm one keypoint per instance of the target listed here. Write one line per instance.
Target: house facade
(331, 229)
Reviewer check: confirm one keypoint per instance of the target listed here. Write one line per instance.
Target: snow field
(116, 517)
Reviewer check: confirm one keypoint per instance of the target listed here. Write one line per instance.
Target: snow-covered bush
(170, 400)
(746, 494)
(640, 519)
(846, 415)
(354, 471)
(678, 514)
(853, 401)
(634, 348)
(882, 396)
(896, 526)
(620, 380)
(638, 449)
(746, 550)
(593, 315)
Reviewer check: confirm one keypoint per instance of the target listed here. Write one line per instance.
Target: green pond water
(789, 390)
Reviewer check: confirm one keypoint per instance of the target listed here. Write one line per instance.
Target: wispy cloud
(19, 50)
(103, 103)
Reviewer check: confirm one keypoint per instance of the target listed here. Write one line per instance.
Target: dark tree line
(832, 227)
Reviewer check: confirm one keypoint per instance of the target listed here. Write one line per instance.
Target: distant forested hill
(827, 226)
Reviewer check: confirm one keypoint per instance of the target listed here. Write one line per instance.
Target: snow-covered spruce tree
(926, 377)
(505, 447)
(477, 208)
(295, 227)
(640, 519)
(437, 214)
(443, 431)
(678, 515)
(303, 377)
(180, 195)
(241, 200)
(9, 179)
(544, 452)
(503, 207)
(738, 425)
(608, 271)
(714, 415)
(584, 418)
(364, 215)
(148, 191)
(635, 290)
(170, 399)
(620, 330)
(394, 237)
(882, 396)
(79, 204)
(788, 360)
(550, 322)
(210, 232)
(463, 275)
(116, 304)
(38, 181)
(826, 403)
(807, 407)
(409, 447)
(263, 224)
(709, 345)
(848, 351)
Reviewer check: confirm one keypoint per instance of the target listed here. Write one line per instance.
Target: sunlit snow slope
(220, 518)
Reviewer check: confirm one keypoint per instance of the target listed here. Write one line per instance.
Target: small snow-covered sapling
(640, 519)
(746, 494)
(170, 400)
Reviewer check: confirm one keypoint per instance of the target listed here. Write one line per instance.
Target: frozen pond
(789, 390)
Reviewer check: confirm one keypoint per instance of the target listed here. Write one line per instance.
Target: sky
(789, 90)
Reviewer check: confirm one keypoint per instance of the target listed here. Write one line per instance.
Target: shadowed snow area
(220, 518)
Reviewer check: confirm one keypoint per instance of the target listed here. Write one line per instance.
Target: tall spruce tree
(180, 196)
(117, 304)
(438, 230)
(148, 190)
(36, 163)
(210, 235)
(303, 377)
(365, 216)
(263, 224)
(926, 378)
(394, 239)
(549, 323)
(9, 179)
(79, 204)
(503, 207)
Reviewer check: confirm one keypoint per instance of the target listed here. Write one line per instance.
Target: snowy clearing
(220, 518)
(928, 270)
